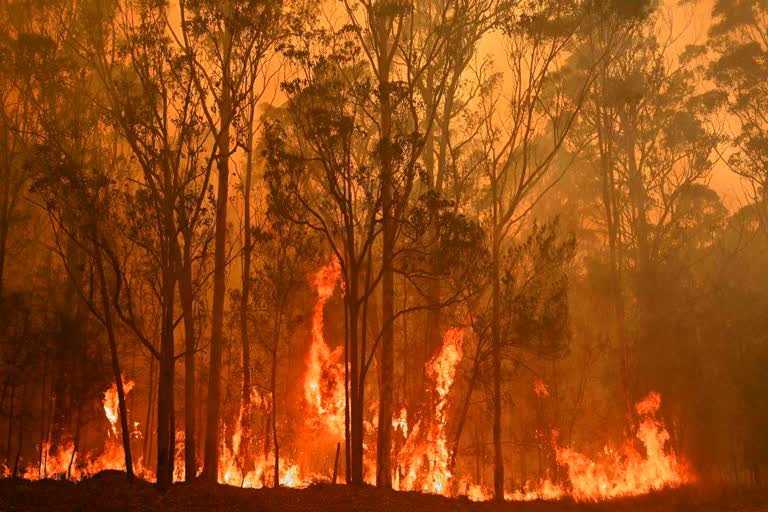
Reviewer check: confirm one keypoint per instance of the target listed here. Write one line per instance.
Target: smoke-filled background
(239, 237)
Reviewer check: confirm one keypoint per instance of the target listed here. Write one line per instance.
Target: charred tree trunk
(20, 437)
(384, 440)
(118, 374)
(612, 219)
(645, 278)
(10, 423)
(347, 397)
(272, 391)
(5, 205)
(210, 469)
(498, 456)
(165, 387)
(356, 395)
(187, 305)
(463, 416)
(43, 402)
(150, 408)
(245, 419)
(76, 444)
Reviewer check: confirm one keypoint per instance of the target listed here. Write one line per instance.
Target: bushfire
(423, 461)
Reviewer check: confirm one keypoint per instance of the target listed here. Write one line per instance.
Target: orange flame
(64, 461)
(424, 461)
(540, 388)
(324, 380)
(401, 422)
(627, 472)
(110, 402)
(424, 464)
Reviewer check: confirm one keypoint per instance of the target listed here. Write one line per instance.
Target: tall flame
(424, 462)
(324, 379)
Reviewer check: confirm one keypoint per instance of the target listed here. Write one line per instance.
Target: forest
(492, 250)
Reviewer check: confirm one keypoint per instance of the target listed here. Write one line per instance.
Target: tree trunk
(637, 195)
(463, 416)
(118, 374)
(245, 405)
(611, 218)
(386, 377)
(272, 390)
(356, 399)
(5, 208)
(347, 382)
(187, 305)
(20, 438)
(165, 436)
(10, 424)
(150, 407)
(210, 470)
(76, 444)
(43, 401)
(498, 456)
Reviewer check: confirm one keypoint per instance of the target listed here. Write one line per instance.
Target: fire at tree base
(641, 465)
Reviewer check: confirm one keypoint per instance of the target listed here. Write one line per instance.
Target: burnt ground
(110, 492)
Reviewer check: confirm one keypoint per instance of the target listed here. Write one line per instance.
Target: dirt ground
(109, 491)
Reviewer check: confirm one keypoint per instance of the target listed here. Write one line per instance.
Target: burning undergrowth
(423, 459)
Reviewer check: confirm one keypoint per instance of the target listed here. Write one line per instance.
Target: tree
(77, 201)
(318, 158)
(17, 122)
(610, 32)
(150, 98)
(739, 38)
(225, 45)
(658, 146)
(286, 251)
(519, 153)
(406, 47)
(446, 138)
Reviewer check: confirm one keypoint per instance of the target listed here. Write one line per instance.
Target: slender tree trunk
(3, 245)
(76, 445)
(463, 416)
(272, 391)
(384, 440)
(432, 324)
(41, 469)
(611, 217)
(498, 456)
(210, 469)
(150, 407)
(245, 406)
(10, 424)
(20, 437)
(355, 385)
(645, 278)
(165, 436)
(5, 209)
(434, 314)
(187, 305)
(347, 383)
(118, 374)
